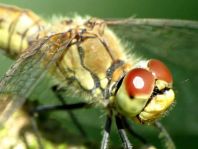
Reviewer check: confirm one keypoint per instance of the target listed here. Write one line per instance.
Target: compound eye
(139, 82)
(160, 71)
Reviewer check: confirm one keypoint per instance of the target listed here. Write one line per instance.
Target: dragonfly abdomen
(18, 28)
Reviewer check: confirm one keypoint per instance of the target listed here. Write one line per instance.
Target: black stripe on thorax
(94, 77)
(115, 65)
(72, 79)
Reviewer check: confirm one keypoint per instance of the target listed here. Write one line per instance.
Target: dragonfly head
(146, 92)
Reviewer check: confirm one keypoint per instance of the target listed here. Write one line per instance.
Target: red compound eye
(160, 71)
(139, 82)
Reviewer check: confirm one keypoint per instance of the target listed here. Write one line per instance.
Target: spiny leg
(106, 133)
(45, 108)
(129, 128)
(164, 136)
(61, 107)
(58, 94)
(125, 141)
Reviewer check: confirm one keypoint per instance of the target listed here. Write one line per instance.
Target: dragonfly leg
(65, 107)
(107, 129)
(164, 136)
(129, 128)
(61, 107)
(125, 141)
(74, 119)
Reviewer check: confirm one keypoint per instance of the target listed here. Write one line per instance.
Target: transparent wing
(164, 38)
(24, 75)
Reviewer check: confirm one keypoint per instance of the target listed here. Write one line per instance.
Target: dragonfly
(86, 56)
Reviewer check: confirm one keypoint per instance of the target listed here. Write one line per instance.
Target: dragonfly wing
(163, 38)
(28, 70)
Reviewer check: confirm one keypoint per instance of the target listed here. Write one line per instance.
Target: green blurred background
(182, 122)
(179, 9)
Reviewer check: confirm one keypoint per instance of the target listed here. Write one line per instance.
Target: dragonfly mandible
(88, 55)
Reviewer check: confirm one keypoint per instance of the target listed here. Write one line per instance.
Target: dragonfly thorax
(96, 61)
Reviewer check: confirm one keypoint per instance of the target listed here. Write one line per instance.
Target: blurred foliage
(182, 60)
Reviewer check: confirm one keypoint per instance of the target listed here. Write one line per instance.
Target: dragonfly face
(146, 92)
